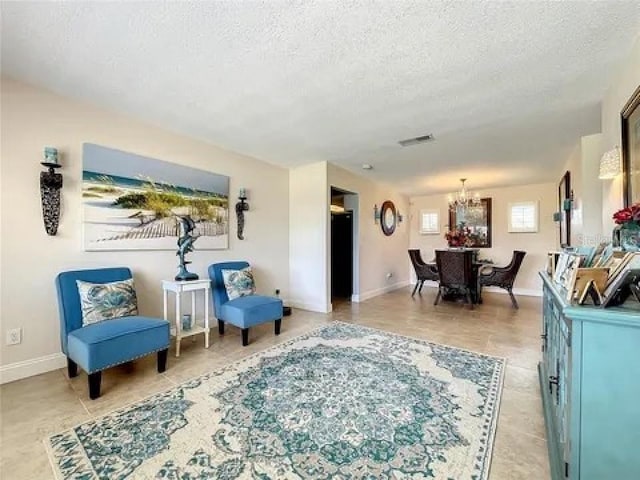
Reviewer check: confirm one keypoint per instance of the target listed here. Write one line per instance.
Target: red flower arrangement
(628, 216)
(458, 237)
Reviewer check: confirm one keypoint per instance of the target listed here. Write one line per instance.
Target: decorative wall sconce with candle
(50, 186)
(376, 214)
(241, 207)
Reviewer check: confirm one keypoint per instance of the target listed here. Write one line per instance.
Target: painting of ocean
(130, 202)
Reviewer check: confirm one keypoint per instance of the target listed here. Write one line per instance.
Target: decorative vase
(630, 237)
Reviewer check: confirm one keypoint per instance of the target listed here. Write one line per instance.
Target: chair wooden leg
(415, 288)
(162, 360)
(72, 368)
(421, 285)
(278, 325)
(220, 327)
(245, 337)
(469, 299)
(438, 297)
(514, 302)
(94, 385)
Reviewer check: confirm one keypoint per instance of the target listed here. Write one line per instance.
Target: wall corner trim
(29, 368)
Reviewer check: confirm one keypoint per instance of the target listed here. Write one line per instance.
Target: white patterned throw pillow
(105, 301)
(238, 283)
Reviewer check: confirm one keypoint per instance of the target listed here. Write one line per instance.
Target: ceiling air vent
(415, 141)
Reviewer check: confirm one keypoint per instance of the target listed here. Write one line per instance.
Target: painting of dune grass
(131, 202)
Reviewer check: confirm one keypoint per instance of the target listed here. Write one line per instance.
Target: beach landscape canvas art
(131, 202)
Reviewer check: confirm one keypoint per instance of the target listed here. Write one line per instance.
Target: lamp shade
(610, 164)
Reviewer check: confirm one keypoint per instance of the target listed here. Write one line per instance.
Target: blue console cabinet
(590, 384)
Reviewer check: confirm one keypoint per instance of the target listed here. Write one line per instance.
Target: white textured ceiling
(505, 87)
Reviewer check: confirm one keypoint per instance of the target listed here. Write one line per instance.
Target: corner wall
(33, 118)
(308, 225)
(503, 243)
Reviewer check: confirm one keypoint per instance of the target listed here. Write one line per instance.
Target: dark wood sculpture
(50, 186)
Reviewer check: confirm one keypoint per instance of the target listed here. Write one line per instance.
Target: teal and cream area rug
(342, 402)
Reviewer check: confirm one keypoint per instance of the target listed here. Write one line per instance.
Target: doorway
(343, 246)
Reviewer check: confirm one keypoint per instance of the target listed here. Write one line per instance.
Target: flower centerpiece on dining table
(458, 237)
(628, 220)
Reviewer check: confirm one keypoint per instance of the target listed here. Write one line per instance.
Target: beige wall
(309, 213)
(379, 255)
(503, 243)
(624, 83)
(584, 165)
(34, 118)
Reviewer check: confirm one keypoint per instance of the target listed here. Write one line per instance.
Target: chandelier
(463, 199)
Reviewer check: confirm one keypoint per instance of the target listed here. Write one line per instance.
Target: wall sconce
(400, 217)
(241, 207)
(50, 185)
(610, 164)
(376, 214)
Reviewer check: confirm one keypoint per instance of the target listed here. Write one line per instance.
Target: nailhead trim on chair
(129, 360)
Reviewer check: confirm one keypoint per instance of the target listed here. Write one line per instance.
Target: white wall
(624, 83)
(378, 254)
(309, 200)
(503, 243)
(584, 165)
(32, 119)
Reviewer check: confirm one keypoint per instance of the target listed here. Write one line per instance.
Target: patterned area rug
(342, 402)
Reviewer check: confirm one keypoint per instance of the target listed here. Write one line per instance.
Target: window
(523, 217)
(429, 222)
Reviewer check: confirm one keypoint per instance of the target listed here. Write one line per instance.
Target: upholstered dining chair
(423, 270)
(455, 271)
(106, 343)
(244, 311)
(503, 277)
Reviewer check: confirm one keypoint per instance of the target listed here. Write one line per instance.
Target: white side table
(197, 325)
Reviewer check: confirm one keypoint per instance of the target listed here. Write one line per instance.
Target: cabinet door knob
(553, 380)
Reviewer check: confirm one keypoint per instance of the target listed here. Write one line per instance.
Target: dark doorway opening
(341, 247)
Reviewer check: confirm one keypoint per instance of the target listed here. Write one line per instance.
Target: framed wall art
(131, 202)
(477, 219)
(630, 117)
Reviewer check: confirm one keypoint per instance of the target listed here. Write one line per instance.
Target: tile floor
(33, 408)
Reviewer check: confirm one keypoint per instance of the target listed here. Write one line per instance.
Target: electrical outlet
(277, 291)
(14, 336)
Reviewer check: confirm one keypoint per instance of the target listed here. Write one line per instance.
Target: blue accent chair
(243, 312)
(105, 344)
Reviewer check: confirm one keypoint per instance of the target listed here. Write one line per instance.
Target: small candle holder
(50, 186)
(186, 322)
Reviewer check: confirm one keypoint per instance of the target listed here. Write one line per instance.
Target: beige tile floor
(33, 408)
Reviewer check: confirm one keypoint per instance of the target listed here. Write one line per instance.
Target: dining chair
(424, 271)
(502, 277)
(455, 271)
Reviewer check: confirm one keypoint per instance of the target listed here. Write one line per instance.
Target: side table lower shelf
(199, 325)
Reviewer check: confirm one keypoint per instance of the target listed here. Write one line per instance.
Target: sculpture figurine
(186, 225)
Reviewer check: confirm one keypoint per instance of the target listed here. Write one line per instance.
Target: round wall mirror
(388, 217)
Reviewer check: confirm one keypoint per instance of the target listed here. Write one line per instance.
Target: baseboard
(378, 291)
(312, 307)
(525, 292)
(29, 368)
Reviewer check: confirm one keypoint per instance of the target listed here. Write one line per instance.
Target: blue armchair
(101, 345)
(243, 312)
